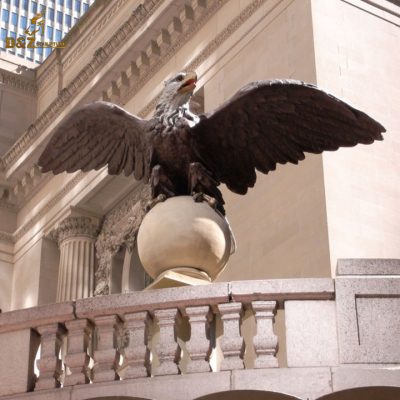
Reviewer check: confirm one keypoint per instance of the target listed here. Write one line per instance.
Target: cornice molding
(6, 237)
(147, 73)
(48, 206)
(17, 81)
(52, 70)
(210, 48)
(137, 19)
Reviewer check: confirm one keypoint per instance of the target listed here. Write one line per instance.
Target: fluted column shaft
(76, 239)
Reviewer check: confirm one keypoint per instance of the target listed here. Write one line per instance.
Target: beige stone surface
(6, 273)
(368, 266)
(16, 364)
(368, 319)
(153, 299)
(305, 383)
(26, 278)
(362, 186)
(178, 387)
(182, 233)
(346, 378)
(311, 338)
(36, 316)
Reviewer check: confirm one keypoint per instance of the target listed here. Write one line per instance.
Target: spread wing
(272, 122)
(97, 134)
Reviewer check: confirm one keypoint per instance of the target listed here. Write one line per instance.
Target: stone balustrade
(127, 336)
(191, 332)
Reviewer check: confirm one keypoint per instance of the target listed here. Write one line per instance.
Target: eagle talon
(151, 203)
(200, 197)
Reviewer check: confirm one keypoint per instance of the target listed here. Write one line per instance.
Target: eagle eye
(179, 78)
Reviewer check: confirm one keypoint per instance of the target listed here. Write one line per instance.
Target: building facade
(336, 323)
(59, 17)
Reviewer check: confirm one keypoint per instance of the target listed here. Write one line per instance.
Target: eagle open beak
(189, 84)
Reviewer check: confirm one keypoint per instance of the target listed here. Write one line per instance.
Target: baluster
(137, 352)
(50, 366)
(231, 342)
(166, 349)
(198, 345)
(77, 358)
(106, 357)
(265, 341)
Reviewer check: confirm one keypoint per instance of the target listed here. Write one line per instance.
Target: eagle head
(177, 92)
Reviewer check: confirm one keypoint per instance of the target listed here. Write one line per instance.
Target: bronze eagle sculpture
(180, 153)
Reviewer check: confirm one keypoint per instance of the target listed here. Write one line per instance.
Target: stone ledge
(304, 383)
(368, 266)
(347, 378)
(36, 316)
(283, 289)
(153, 299)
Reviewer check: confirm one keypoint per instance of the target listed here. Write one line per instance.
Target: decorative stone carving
(198, 345)
(106, 356)
(167, 347)
(49, 364)
(77, 358)
(265, 341)
(136, 352)
(76, 237)
(231, 341)
(119, 228)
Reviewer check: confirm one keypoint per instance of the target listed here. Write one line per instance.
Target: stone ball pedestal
(181, 242)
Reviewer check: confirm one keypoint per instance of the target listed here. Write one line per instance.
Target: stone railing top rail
(368, 266)
(216, 293)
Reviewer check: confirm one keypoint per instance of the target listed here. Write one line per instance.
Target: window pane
(25, 5)
(5, 14)
(50, 14)
(68, 20)
(14, 18)
(3, 34)
(39, 50)
(23, 22)
(34, 7)
(58, 35)
(47, 51)
(85, 7)
(77, 5)
(16, 3)
(49, 32)
(13, 35)
(60, 2)
(69, 4)
(59, 17)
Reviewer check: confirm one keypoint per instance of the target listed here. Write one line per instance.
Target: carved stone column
(76, 238)
(265, 341)
(136, 352)
(49, 364)
(106, 356)
(77, 358)
(231, 341)
(167, 347)
(198, 345)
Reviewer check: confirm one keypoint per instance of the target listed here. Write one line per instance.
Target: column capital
(74, 226)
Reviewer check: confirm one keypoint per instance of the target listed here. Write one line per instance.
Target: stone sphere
(180, 233)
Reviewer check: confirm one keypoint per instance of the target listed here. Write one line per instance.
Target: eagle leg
(151, 203)
(203, 187)
(160, 183)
